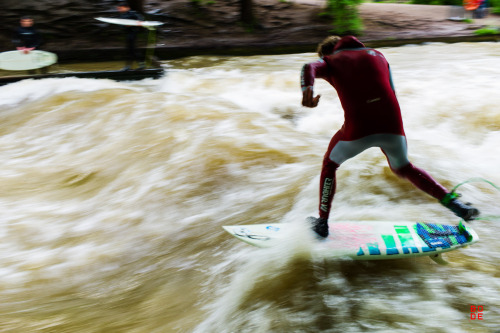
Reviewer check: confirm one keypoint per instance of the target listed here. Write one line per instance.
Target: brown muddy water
(114, 195)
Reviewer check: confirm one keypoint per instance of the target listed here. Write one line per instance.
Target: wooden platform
(120, 75)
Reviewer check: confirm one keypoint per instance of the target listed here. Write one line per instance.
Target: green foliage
(487, 31)
(345, 16)
(495, 6)
(202, 2)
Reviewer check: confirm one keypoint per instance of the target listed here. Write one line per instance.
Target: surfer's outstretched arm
(317, 69)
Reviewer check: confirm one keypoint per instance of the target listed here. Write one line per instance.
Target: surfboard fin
(438, 259)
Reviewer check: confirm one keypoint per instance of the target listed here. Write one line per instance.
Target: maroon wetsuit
(363, 82)
(362, 79)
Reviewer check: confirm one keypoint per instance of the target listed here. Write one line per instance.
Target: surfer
(130, 34)
(372, 118)
(26, 37)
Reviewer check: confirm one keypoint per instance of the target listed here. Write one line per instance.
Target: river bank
(283, 27)
(297, 27)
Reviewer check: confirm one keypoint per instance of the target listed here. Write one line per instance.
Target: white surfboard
(129, 22)
(369, 240)
(19, 61)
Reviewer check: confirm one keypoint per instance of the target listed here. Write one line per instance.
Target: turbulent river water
(114, 194)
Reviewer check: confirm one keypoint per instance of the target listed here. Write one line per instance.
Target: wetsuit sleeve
(17, 38)
(132, 15)
(37, 39)
(138, 17)
(311, 71)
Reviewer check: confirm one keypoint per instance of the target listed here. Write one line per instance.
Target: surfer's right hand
(308, 99)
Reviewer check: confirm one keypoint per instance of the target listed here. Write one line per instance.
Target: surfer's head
(123, 6)
(327, 46)
(26, 21)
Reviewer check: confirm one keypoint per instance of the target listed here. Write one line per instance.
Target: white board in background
(129, 22)
(19, 61)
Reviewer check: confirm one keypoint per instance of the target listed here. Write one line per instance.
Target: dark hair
(26, 17)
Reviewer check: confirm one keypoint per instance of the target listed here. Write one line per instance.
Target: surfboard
(19, 61)
(369, 240)
(129, 22)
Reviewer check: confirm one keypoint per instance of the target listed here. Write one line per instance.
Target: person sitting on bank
(26, 37)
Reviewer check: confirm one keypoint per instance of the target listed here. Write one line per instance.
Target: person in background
(372, 118)
(131, 33)
(482, 10)
(26, 37)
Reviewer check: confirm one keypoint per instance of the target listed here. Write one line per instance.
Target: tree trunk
(247, 12)
(137, 5)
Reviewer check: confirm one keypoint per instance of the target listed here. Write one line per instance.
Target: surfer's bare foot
(319, 225)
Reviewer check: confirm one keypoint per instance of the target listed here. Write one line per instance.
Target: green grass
(487, 31)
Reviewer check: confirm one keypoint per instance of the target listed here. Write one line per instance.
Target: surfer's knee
(329, 164)
(404, 171)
